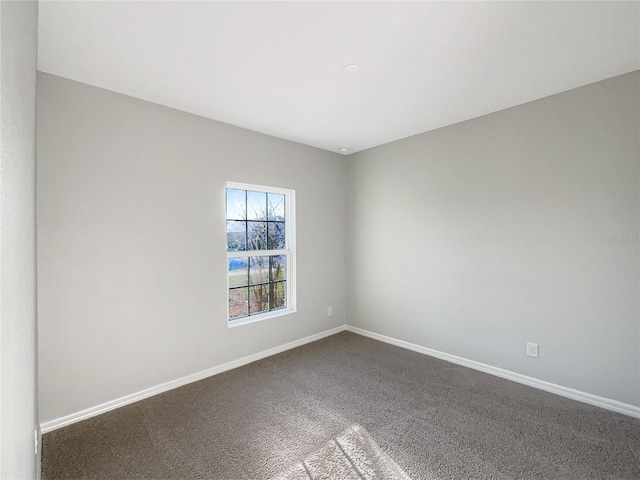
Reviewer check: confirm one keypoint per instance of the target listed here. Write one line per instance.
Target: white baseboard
(584, 397)
(588, 398)
(60, 422)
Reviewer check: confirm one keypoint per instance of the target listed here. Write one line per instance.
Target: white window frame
(289, 252)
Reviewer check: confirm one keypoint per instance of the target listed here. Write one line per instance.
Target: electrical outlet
(532, 349)
(329, 311)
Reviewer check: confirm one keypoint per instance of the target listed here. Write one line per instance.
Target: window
(260, 253)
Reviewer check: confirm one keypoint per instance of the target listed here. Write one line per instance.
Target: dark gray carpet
(434, 419)
(352, 455)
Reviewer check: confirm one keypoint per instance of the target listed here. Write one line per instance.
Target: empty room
(320, 240)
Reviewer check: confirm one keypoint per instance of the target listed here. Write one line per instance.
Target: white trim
(259, 318)
(606, 403)
(602, 402)
(60, 422)
(258, 188)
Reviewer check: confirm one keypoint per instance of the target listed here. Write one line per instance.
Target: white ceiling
(276, 67)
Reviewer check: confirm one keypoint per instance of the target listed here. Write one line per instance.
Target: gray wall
(473, 239)
(476, 238)
(131, 247)
(18, 418)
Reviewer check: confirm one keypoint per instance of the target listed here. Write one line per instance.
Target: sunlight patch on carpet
(351, 455)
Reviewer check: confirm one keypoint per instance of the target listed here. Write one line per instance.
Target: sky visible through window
(248, 205)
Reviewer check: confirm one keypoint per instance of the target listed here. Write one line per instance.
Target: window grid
(258, 237)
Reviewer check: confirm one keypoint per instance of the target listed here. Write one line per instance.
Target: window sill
(259, 318)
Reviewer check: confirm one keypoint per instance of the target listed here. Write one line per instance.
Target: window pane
(238, 302)
(256, 205)
(275, 237)
(258, 270)
(238, 273)
(276, 207)
(236, 204)
(256, 235)
(277, 295)
(236, 236)
(258, 299)
(278, 268)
